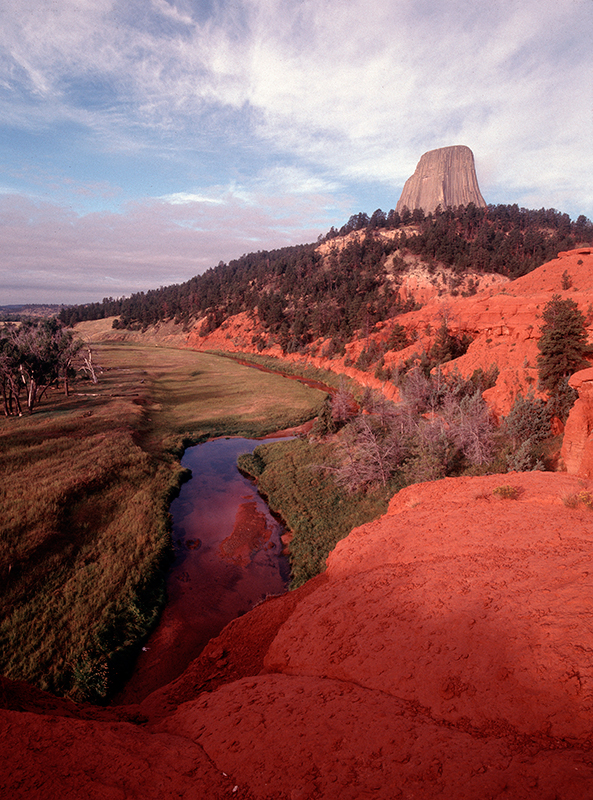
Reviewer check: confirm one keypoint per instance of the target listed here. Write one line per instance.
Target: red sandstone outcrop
(577, 445)
(443, 177)
(502, 319)
(423, 286)
(445, 653)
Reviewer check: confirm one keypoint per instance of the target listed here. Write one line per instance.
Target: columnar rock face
(445, 177)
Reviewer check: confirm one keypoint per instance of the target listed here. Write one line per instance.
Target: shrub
(574, 500)
(398, 338)
(506, 492)
(527, 426)
(447, 347)
(562, 400)
(371, 353)
(382, 372)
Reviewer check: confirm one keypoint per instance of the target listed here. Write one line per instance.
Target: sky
(144, 141)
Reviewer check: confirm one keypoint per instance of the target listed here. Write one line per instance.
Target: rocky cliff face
(445, 177)
(444, 654)
(577, 445)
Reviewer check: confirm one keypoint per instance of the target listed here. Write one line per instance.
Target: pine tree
(562, 343)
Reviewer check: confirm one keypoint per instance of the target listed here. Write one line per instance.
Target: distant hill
(18, 312)
(355, 277)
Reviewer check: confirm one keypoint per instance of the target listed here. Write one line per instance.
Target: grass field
(331, 379)
(85, 485)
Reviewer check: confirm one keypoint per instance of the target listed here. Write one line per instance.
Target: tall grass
(85, 485)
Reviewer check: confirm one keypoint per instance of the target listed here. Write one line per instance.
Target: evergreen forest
(305, 292)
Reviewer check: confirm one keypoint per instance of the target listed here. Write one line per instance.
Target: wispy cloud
(207, 104)
(185, 198)
(54, 255)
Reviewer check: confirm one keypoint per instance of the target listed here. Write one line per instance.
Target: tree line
(300, 295)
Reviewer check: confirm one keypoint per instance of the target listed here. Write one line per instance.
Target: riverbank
(87, 482)
(292, 477)
(228, 558)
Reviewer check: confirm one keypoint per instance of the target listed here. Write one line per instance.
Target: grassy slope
(84, 490)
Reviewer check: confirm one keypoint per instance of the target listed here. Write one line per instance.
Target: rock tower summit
(445, 177)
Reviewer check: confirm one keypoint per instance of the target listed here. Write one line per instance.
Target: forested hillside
(345, 282)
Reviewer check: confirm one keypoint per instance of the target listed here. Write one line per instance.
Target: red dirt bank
(577, 447)
(445, 653)
(502, 319)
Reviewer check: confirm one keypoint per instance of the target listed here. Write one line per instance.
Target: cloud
(418, 76)
(171, 11)
(211, 126)
(62, 257)
(356, 90)
(185, 198)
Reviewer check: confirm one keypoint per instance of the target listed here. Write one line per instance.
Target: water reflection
(228, 548)
(228, 557)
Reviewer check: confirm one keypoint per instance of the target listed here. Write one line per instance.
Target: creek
(228, 558)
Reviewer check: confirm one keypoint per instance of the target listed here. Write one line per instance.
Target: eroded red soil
(502, 319)
(445, 653)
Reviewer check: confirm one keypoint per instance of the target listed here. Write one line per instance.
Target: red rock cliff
(444, 654)
(577, 446)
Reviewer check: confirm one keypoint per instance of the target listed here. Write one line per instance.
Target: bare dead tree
(88, 366)
(380, 407)
(471, 426)
(344, 406)
(415, 391)
(369, 454)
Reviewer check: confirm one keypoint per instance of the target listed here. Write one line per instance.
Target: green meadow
(85, 486)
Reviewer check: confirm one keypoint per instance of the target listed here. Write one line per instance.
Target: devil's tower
(445, 177)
